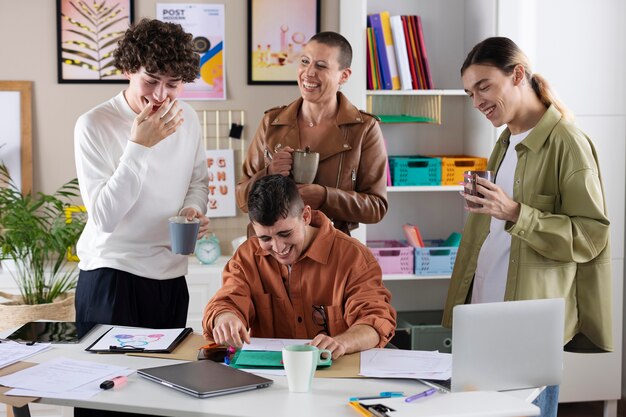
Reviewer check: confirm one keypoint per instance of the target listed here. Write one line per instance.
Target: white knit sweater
(130, 190)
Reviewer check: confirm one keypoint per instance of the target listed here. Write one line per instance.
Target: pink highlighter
(113, 382)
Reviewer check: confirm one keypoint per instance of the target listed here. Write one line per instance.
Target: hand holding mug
(281, 162)
(191, 213)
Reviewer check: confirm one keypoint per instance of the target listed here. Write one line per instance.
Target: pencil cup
(300, 362)
(469, 181)
(183, 234)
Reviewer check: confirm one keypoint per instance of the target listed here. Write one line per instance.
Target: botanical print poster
(87, 35)
(206, 23)
(11, 134)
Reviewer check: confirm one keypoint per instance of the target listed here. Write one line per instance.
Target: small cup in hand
(469, 180)
(183, 234)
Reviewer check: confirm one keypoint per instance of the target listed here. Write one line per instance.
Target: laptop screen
(507, 345)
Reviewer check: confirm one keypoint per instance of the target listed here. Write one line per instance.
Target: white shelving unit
(438, 210)
(451, 29)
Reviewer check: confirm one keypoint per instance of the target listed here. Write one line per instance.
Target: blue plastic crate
(415, 170)
(434, 259)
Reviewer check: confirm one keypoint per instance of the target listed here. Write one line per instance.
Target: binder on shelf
(368, 72)
(424, 57)
(138, 339)
(412, 22)
(389, 47)
(374, 76)
(399, 43)
(375, 23)
(413, 235)
(415, 79)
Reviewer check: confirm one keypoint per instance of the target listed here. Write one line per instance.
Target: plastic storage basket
(422, 330)
(393, 256)
(453, 167)
(415, 170)
(435, 259)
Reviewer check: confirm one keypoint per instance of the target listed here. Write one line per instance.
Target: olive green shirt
(560, 243)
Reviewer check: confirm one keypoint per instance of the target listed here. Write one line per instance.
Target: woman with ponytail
(541, 229)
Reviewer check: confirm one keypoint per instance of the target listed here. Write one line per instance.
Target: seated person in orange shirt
(299, 278)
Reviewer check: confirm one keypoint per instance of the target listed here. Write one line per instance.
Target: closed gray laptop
(204, 378)
(507, 345)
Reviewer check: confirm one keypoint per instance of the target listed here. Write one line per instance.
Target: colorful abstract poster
(278, 29)
(206, 23)
(221, 165)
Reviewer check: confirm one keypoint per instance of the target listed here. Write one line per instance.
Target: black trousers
(110, 296)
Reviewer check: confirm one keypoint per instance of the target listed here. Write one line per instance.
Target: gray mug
(183, 234)
(304, 166)
(469, 180)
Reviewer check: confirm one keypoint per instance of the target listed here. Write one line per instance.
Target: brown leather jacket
(352, 167)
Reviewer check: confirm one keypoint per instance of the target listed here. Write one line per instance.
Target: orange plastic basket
(452, 168)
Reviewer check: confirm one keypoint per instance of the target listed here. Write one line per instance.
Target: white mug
(300, 363)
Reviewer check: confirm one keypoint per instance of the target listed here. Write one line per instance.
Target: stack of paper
(397, 363)
(11, 352)
(62, 378)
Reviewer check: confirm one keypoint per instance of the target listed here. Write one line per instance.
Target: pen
(127, 347)
(359, 409)
(377, 413)
(209, 346)
(113, 382)
(384, 394)
(426, 393)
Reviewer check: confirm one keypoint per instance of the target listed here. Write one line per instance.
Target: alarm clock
(208, 249)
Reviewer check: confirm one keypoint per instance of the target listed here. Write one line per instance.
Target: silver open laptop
(507, 345)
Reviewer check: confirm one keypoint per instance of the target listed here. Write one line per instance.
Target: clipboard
(139, 339)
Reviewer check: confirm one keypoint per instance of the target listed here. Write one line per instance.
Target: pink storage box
(394, 257)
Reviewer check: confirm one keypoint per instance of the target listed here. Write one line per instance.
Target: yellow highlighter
(359, 408)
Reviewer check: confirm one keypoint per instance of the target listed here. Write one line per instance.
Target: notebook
(204, 379)
(51, 332)
(507, 345)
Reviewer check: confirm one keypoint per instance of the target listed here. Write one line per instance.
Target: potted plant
(35, 235)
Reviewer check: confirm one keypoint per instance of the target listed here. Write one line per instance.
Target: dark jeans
(110, 296)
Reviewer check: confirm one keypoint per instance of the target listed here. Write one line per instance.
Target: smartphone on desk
(215, 354)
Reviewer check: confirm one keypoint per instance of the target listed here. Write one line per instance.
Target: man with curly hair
(140, 159)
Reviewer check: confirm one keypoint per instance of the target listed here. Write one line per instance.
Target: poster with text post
(221, 165)
(205, 22)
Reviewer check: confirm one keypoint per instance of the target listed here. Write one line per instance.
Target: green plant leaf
(35, 234)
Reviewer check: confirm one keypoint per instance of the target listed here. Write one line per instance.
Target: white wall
(580, 48)
(28, 52)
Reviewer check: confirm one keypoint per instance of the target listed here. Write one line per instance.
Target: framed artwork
(87, 35)
(16, 132)
(277, 31)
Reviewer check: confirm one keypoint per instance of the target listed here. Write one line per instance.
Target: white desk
(329, 397)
